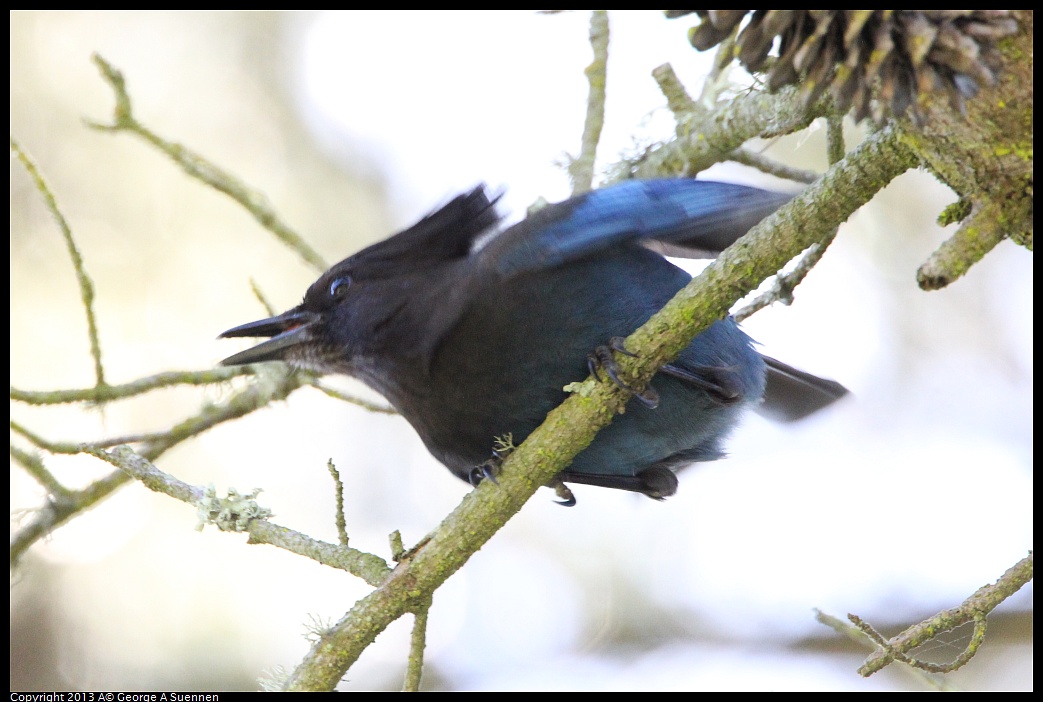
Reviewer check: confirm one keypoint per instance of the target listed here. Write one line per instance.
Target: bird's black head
(305, 335)
(370, 306)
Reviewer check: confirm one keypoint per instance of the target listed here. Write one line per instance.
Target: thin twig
(581, 169)
(974, 609)
(338, 484)
(417, 643)
(140, 386)
(198, 167)
(273, 385)
(772, 167)
(86, 286)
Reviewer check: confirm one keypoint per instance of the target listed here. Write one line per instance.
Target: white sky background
(493, 96)
(900, 502)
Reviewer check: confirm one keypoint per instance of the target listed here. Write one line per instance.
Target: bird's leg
(602, 358)
(657, 481)
(720, 383)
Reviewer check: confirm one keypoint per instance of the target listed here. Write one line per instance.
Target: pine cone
(900, 54)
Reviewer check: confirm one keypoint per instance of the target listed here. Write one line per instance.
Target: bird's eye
(340, 286)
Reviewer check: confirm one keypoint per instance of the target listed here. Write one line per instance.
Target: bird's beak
(288, 330)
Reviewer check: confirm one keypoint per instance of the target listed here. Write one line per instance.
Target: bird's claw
(602, 358)
(486, 471)
(563, 493)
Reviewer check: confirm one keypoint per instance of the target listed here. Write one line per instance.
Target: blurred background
(898, 502)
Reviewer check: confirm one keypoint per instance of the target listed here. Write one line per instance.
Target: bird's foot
(562, 492)
(602, 358)
(485, 471)
(489, 469)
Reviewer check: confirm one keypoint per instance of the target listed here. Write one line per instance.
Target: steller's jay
(472, 334)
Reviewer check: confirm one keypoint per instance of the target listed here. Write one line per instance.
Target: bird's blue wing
(700, 214)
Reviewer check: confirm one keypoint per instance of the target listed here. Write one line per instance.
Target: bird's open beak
(288, 330)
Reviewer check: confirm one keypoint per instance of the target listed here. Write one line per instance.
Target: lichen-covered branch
(974, 609)
(240, 512)
(708, 137)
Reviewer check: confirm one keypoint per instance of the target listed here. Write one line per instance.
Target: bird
(471, 329)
